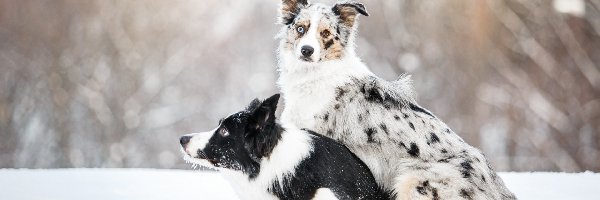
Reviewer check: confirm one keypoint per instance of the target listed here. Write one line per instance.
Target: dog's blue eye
(300, 29)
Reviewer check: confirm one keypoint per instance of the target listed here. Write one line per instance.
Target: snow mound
(149, 184)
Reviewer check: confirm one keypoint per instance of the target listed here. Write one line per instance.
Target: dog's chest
(304, 104)
(247, 189)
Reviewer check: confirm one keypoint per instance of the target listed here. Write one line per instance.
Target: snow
(113, 184)
(547, 185)
(149, 184)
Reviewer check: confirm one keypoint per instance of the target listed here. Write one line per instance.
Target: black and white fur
(408, 149)
(264, 160)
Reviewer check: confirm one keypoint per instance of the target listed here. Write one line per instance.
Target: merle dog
(327, 88)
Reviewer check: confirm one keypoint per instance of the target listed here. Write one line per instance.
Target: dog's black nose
(184, 140)
(307, 50)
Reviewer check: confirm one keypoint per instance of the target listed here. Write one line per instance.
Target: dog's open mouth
(200, 160)
(201, 155)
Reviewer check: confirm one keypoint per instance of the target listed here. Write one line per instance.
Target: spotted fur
(407, 148)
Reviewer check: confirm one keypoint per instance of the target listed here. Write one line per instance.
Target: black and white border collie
(263, 159)
(328, 89)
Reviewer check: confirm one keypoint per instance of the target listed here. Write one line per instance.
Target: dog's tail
(405, 87)
(400, 90)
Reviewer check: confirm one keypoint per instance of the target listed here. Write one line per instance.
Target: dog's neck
(287, 153)
(287, 147)
(261, 145)
(294, 72)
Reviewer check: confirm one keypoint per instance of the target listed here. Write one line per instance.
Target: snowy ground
(149, 184)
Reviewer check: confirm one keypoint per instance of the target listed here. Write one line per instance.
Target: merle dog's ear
(289, 10)
(263, 114)
(348, 11)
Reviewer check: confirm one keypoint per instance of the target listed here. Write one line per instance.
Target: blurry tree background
(114, 83)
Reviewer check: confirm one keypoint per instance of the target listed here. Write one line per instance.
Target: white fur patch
(311, 38)
(324, 194)
(244, 188)
(295, 145)
(198, 141)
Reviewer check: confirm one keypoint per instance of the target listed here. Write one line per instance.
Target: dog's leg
(434, 181)
(404, 187)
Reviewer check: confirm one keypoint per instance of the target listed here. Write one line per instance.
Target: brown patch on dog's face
(331, 46)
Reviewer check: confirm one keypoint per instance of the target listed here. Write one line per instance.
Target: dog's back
(330, 165)
(406, 147)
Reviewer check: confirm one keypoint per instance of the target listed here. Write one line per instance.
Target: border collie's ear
(289, 10)
(272, 102)
(347, 12)
(263, 115)
(253, 105)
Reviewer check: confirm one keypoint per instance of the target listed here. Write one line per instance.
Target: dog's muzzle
(184, 140)
(307, 52)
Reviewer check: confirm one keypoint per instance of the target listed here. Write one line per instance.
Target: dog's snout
(307, 50)
(184, 140)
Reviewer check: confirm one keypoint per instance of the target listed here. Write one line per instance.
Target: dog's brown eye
(223, 132)
(300, 29)
(325, 33)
